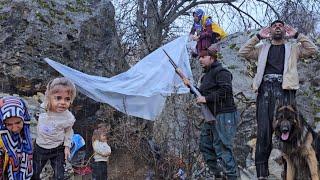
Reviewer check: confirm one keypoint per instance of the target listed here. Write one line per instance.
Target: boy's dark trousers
(216, 141)
(40, 158)
(100, 170)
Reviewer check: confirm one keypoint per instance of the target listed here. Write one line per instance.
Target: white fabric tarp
(142, 90)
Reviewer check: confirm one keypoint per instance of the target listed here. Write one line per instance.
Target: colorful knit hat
(199, 13)
(13, 107)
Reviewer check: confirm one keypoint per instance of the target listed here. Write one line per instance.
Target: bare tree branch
(271, 7)
(238, 9)
(174, 14)
(154, 19)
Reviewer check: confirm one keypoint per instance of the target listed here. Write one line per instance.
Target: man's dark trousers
(270, 95)
(216, 143)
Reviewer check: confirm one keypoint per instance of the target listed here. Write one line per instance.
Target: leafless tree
(154, 19)
(301, 14)
(144, 25)
(156, 16)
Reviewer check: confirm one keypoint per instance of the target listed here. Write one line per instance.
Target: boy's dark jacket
(216, 87)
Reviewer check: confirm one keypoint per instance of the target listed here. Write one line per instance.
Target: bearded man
(276, 80)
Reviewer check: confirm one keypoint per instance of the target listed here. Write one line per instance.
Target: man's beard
(278, 36)
(205, 69)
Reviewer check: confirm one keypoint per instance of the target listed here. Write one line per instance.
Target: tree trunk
(149, 25)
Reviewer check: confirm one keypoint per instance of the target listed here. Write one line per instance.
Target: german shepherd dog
(300, 144)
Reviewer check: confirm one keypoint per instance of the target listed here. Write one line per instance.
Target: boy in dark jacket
(217, 136)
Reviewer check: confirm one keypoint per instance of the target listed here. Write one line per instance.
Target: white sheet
(142, 90)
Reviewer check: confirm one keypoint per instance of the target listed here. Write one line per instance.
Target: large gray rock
(79, 34)
(75, 33)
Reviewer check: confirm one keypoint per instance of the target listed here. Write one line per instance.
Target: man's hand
(265, 33)
(291, 32)
(66, 153)
(186, 82)
(201, 99)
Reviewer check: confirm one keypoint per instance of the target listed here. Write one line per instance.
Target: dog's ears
(285, 109)
(291, 108)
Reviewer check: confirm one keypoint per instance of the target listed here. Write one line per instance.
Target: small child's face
(60, 101)
(103, 138)
(196, 18)
(14, 124)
